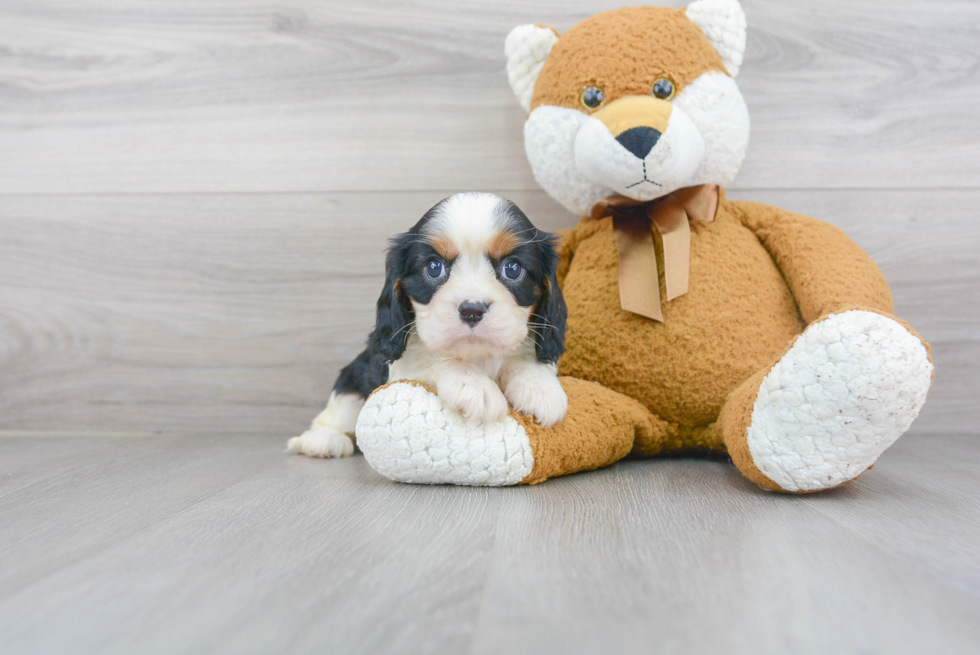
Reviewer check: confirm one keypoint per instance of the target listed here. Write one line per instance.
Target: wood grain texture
(234, 313)
(299, 95)
(211, 544)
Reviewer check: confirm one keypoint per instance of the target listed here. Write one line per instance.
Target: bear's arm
(568, 241)
(826, 271)
(566, 246)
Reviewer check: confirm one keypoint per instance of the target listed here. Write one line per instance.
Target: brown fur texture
(682, 369)
(502, 243)
(759, 276)
(824, 268)
(582, 57)
(601, 427)
(444, 245)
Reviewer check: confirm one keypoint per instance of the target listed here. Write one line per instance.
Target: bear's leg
(846, 389)
(407, 435)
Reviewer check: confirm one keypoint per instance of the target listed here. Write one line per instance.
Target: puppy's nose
(472, 312)
(639, 140)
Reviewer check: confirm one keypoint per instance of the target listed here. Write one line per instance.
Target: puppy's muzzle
(471, 312)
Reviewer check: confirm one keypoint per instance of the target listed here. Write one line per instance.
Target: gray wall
(195, 197)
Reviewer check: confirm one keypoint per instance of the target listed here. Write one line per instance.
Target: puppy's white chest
(414, 364)
(418, 363)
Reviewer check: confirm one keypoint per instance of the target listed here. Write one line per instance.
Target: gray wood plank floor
(206, 544)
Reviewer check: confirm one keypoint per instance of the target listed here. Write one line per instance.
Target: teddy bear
(695, 323)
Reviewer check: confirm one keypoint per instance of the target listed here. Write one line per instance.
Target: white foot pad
(846, 390)
(322, 442)
(407, 435)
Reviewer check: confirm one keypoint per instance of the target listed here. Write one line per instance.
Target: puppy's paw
(541, 395)
(475, 396)
(322, 442)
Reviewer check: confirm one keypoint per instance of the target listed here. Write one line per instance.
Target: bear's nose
(639, 140)
(472, 312)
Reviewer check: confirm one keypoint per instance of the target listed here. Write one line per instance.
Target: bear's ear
(527, 48)
(723, 22)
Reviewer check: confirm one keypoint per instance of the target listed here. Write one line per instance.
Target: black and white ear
(394, 308)
(527, 47)
(723, 22)
(551, 314)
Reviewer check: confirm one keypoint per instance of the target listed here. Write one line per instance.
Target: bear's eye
(592, 97)
(663, 88)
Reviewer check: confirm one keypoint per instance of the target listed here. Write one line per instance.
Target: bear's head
(638, 102)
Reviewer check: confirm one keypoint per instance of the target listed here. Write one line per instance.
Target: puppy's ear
(551, 313)
(394, 308)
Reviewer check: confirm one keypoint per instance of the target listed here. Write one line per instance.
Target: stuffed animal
(696, 323)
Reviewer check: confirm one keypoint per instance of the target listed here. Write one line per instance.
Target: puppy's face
(474, 278)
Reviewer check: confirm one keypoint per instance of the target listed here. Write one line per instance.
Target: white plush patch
(668, 167)
(578, 163)
(549, 140)
(716, 106)
(846, 390)
(723, 22)
(407, 435)
(527, 47)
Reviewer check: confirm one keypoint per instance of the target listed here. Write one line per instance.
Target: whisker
(408, 326)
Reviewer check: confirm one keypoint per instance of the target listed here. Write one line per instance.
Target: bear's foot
(408, 435)
(849, 386)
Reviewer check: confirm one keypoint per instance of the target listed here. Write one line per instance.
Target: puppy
(470, 306)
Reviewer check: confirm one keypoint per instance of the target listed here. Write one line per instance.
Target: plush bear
(696, 323)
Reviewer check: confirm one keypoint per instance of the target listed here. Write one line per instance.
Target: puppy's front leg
(533, 388)
(328, 436)
(468, 390)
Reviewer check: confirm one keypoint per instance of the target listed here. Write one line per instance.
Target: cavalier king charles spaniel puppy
(470, 306)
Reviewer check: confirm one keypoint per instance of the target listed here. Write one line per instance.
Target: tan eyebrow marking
(443, 245)
(502, 243)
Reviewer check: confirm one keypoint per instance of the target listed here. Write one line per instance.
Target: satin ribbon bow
(639, 284)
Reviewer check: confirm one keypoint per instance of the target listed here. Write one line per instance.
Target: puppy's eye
(663, 88)
(513, 271)
(592, 97)
(435, 269)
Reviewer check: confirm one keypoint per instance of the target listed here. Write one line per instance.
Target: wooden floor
(206, 544)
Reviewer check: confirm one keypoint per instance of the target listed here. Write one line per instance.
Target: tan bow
(639, 284)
